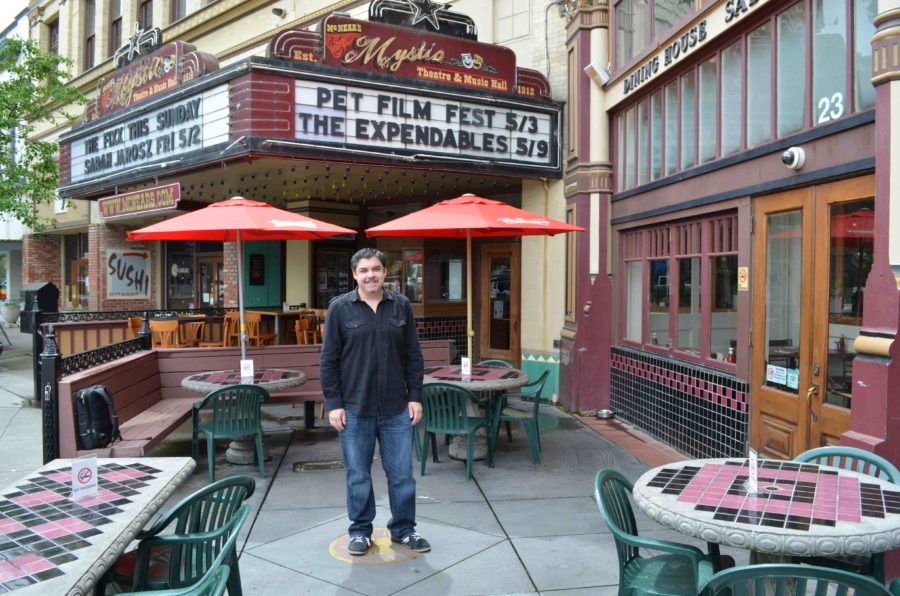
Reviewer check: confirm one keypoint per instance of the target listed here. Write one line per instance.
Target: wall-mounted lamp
(597, 73)
(279, 12)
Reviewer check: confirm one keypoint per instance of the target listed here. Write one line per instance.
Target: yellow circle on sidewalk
(382, 552)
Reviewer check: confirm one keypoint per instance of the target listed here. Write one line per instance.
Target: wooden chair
(164, 334)
(233, 338)
(786, 579)
(678, 569)
(862, 462)
(255, 337)
(226, 330)
(134, 326)
(193, 332)
(306, 333)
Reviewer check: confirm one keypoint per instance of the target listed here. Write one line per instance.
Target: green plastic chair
(158, 562)
(444, 410)
(525, 414)
(235, 414)
(683, 570)
(212, 584)
(862, 462)
(492, 362)
(785, 579)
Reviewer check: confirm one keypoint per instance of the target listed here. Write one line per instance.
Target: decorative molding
(589, 18)
(586, 178)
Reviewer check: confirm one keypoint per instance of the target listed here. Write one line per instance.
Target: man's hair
(367, 253)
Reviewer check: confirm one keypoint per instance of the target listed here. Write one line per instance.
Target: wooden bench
(151, 403)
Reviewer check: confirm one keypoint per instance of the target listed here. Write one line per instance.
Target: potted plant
(11, 312)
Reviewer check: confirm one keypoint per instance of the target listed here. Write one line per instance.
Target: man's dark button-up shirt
(371, 361)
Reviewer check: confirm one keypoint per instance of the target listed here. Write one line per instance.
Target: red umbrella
(470, 217)
(235, 220)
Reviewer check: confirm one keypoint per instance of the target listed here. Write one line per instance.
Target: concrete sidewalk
(518, 528)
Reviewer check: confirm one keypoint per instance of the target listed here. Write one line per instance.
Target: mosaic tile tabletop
(799, 509)
(50, 544)
(482, 378)
(272, 380)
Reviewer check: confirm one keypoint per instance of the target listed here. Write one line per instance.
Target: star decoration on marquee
(426, 10)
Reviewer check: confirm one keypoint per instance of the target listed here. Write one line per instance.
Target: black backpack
(98, 424)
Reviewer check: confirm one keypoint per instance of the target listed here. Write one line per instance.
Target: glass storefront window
(791, 69)
(76, 287)
(4, 274)
(732, 98)
(445, 276)
(759, 79)
(633, 292)
(864, 12)
(658, 301)
(394, 274)
(688, 317)
(412, 260)
(829, 68)
(723, 315)
(784, 252)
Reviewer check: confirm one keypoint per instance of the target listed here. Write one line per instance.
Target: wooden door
(498, 332)
(812, 252)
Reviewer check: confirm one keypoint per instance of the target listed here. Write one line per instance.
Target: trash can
(39, 296)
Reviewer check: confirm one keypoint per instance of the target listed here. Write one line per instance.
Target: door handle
(813, 390)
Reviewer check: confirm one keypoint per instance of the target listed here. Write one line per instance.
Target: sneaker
(359, 545)
(415, 543)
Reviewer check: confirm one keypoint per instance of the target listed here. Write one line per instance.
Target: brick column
(229, 257)
(101, 239)
(42, 259)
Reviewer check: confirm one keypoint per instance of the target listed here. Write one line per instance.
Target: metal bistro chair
(787, 579)
(444, 411)
(235, 414)
(204, 527)
(525, 414)
(862, 462)
(495, 363)
(682, 570)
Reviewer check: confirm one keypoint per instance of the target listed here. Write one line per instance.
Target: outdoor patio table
(50, 544)
(800, 509)
(485, 381)
(273, 380)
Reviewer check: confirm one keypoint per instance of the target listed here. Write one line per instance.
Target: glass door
(498, 333)
(212, 282)
(812, 251)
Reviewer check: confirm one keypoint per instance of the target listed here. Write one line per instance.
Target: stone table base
(457, 447)
(243, 452)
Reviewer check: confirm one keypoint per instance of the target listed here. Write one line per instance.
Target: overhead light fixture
(597, 73)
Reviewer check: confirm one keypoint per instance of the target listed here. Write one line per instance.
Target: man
(371, 375)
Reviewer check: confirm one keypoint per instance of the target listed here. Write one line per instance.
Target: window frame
(89, 37)
(116, 34)
(673, 242)
(145, 8)
(653, 41)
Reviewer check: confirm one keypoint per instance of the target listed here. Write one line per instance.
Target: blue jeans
(394, 434)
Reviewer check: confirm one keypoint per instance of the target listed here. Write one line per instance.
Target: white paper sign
(246, 371)
(466, 366)
(753, 479)
(84, 477)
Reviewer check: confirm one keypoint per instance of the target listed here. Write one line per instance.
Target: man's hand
(415, 412)
(337, 418)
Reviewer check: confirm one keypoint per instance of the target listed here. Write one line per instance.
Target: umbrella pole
(240, 260)
(469, 332)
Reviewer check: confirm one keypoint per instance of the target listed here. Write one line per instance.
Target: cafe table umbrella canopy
(235, 220)
(470, 217)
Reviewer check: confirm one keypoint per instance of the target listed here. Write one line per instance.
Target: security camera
(794, 158)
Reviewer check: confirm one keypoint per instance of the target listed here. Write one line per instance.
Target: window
(115, 26)
(829, 70)
(633, 24)
(75, 282)
(683, 275)
(864, 12)
(707, 110)
(90, 12)
(671, 128)
(145, 14)
(177, 10)
(759, 79)
(513, 19)
(688, 120)
(60, 204)
(655, 136)
(643, 125)
(630, 136)
(732, 98)
(53, 36)
(790, 67)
